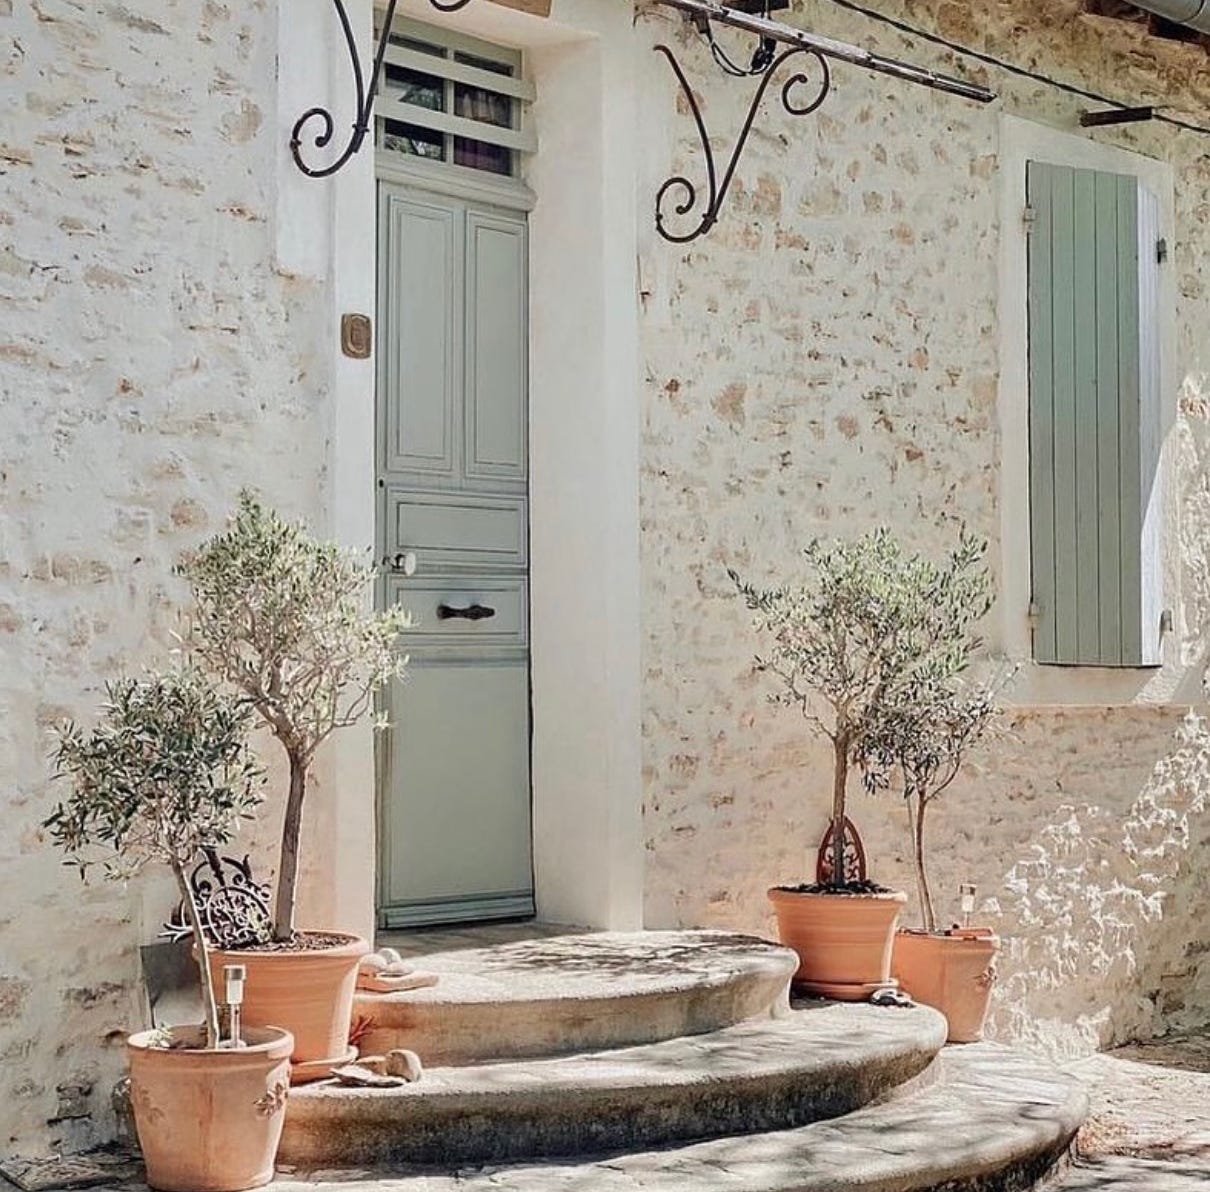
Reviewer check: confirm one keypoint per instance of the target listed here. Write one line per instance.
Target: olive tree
(927, 736)
(868, 624)
(284, 619)
(164, 774)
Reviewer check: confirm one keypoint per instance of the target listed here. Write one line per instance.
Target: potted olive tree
(285, 621)
(845, 645)
(165, 773)
(926, 737)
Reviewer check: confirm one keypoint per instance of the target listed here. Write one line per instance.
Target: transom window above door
(453, 100)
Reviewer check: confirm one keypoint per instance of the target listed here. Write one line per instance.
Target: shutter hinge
(1161, 250)
(1035, 614)
(1030, 217)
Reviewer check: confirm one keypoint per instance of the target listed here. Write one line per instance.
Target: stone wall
(827, 360)
(153, 360)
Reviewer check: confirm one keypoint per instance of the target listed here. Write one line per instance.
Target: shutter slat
(1108, 531)
(1087, 579)
(1041, 415)
(1130, 515)
(1063, 286)
(392, 108)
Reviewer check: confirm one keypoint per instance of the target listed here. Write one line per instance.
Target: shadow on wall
(1106, 917)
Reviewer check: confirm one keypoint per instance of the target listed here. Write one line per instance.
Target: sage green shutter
(1093, 417)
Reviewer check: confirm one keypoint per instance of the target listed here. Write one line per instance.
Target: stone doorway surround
(584, 437)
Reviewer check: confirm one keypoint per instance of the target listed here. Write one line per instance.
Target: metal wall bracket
(716, 188)
(752, 16)
(1116, 116)
(365, 94)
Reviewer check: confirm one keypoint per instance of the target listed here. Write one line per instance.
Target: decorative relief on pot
(987, 978)
(272, 1100)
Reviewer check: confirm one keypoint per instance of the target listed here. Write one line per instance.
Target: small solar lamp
(967, 893)
(235, 975)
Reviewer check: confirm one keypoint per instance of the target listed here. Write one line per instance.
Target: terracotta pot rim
(352, 945)
(958, 935)
(270, 1039)
(788, 894)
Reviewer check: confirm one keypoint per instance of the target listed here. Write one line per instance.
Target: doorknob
(404, 561)
(472, 612)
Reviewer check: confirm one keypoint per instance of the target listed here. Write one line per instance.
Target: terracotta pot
(209, 1121)
(843, 941)
(309, 993)
(951, 971)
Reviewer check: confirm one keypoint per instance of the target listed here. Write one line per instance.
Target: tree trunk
(840, 782)
(209, 1001)
(922, 882)
(287, 877)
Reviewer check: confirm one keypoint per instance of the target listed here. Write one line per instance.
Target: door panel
(496, 343)
(462, 733)
(421, 360)
(454, 797)
(470, 528)
(502, 603)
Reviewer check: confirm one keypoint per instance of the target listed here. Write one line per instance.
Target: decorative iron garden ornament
(678, 190)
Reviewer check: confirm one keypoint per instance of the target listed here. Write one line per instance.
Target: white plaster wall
(167, 338)
(831, 358)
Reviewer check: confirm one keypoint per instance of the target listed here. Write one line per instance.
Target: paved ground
(1149, 1130)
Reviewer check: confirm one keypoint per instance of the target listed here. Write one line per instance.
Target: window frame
(520, 95)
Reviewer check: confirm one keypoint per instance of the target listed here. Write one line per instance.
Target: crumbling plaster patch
(828, 360)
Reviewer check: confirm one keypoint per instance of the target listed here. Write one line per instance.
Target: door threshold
(425, 941)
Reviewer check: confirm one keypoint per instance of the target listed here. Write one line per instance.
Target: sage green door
(455, 765)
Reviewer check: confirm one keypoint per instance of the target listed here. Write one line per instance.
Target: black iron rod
(839, 50)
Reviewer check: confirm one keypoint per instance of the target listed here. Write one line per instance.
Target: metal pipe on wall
(1193, 13)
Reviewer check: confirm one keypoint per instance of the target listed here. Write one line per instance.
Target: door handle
(472, 612)
(404, 561)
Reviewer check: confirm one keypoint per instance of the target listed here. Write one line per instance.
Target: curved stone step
(578, 993)
(995, 1121)
(767, 1074)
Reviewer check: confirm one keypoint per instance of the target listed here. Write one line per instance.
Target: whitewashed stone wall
(153, 360)
(828, 360)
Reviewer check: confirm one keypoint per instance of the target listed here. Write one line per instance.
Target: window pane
(426, 91)
(421, 47)
(485, 106)
(408, 138)
(484, 63)
(480, 156)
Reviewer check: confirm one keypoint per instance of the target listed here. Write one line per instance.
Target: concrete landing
(572, 993)
(996, 1121)
(767, 1074)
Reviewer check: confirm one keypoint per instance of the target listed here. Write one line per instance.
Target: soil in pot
(952, 971)
(305, 986)
(843, 936)
(209, 1120)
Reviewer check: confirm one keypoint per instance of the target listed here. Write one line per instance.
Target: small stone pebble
(401, 1062)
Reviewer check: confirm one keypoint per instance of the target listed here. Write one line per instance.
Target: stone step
(577, 993)
(995, 1121)
(766, 1074)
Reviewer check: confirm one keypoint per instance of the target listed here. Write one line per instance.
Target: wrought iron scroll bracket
(365, 94)
(717, 187)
